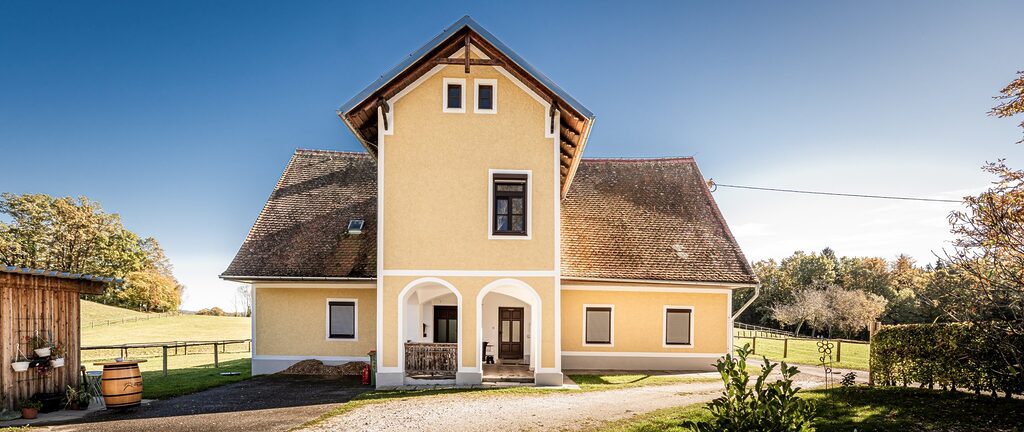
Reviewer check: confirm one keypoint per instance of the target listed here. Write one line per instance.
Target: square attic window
(355, 226)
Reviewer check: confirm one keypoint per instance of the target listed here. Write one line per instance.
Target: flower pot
(42, 352)
(29, 413)
(57, 362)
(21, 366)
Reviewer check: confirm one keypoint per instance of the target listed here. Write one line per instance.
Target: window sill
(330, 339)
(508, 237)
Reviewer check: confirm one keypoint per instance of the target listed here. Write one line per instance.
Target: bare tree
(243, 300)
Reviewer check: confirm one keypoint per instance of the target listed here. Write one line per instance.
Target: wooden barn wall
(30, 303)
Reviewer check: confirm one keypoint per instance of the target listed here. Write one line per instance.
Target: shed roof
(58, 274)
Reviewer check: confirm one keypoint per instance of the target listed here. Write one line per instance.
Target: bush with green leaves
(765, 406)
(951, 356)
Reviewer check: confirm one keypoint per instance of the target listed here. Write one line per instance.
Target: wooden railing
(431, 359)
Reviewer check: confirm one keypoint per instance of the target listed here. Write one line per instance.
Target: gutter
(730, 285)
(235, 278)
(757, 292)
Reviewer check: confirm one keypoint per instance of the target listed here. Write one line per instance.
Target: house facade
(471, 231)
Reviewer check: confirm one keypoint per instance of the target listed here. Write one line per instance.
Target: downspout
(757, 292)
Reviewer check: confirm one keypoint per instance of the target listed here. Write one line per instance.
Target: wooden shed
(45, 303)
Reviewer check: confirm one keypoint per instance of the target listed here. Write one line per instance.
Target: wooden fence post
(216, 359)
(753, 350)
(785, 348)
(839, 351)
(872, 328)
(165, 360)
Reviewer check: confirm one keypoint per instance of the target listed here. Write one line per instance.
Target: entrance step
(500, 379)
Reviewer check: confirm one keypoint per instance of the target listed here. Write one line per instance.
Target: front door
(446, 324)
(510, 333)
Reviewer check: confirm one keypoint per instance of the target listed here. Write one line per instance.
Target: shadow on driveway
(272, 402)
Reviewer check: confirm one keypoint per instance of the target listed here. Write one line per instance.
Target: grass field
(96, 313)
(854, 356)
(869, 409)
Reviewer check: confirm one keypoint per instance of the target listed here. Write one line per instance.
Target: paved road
(267, 403)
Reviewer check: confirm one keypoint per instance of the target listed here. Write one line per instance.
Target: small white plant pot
(43, 352)
(57, 362)
(20, 366)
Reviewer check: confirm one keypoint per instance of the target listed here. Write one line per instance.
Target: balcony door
(510, 333)
(446, 324)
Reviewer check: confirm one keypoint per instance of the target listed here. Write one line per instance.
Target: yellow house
(472, 233)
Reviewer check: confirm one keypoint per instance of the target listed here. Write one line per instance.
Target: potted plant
(20, 363)
(40, 345)
(29, 408)
(78, 399)
(57, 355)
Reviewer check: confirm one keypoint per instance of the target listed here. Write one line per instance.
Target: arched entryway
(430, 329)
(508, 319)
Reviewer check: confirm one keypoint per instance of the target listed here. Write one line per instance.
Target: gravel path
(559, 409)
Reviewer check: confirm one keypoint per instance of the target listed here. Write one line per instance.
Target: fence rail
(130, 320)
(431, 359)
(750, 330)
(163, 349)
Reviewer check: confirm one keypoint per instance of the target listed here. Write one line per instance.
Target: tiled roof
(650, 219)
(303, 229)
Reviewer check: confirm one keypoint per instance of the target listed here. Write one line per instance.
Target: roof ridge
(640, 159)
(330, 152)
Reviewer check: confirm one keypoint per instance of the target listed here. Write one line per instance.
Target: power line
(714, 185)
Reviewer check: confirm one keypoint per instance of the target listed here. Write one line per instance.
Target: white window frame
(444, 95)
(611, 325)
(476, 95)
(664, 326)
(490, 204)
(355, 319)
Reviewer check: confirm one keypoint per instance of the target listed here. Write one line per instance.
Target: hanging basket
(57, 362)
(42, 352)
(20, 366)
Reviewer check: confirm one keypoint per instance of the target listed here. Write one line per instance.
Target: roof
(647, 219)
(643, 219)
(302, 231)
(58, 274)
(465, 21)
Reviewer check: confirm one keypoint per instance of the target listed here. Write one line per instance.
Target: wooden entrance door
(446, 324)
(510, 333)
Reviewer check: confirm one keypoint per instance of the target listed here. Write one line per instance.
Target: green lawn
(185, 380)
(612, 382)
(96, 313)
(870, 409)
(803, 351)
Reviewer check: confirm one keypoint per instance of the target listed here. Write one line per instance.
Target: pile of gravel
(317, 367)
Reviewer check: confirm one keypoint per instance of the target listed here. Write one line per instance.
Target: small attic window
(680, 251)
(454, 95)
(355, 226)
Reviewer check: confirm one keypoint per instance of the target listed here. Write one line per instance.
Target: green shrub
(764, 406)
(951, 356)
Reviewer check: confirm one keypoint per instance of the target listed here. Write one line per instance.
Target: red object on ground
(366, 374)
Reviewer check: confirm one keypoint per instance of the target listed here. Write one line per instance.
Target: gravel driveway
(559, 409)
(266, 403)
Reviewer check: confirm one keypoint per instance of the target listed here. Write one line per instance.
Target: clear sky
(181, 115)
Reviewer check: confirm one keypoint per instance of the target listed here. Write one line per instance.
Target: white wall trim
(315, 285)
(394, 99)
(321, 358)
(476, 95)
(664, 326)
(471, 273)
(638, 354)
(401, 317)
(444, 96)
(548, 133)
(473, 49)
(646, 289)
(355, 320)
(536, 312)
(611, 325)
(728, 321)
(528, 204)
(380, 239)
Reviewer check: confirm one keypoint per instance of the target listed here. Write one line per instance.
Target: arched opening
(430, 323)
(509, 328)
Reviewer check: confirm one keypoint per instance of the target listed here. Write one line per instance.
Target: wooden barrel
(122, 385)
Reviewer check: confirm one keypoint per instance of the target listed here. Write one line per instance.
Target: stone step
(508, 379)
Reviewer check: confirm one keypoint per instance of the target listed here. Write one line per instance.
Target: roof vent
(355, 226)
(680, 251)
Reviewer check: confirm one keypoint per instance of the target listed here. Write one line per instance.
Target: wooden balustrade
(431, 359)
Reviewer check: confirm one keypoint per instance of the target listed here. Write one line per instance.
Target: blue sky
(181, 115)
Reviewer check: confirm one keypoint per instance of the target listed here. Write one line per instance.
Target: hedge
(952, 356)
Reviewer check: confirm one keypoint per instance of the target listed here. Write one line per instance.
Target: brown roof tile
(650, 219)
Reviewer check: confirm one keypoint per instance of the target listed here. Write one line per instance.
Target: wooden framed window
(446, 324)
(509, 207)
(597, 325)
(486, 96)
(454, 95)
(341, 319)
(678, 326)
